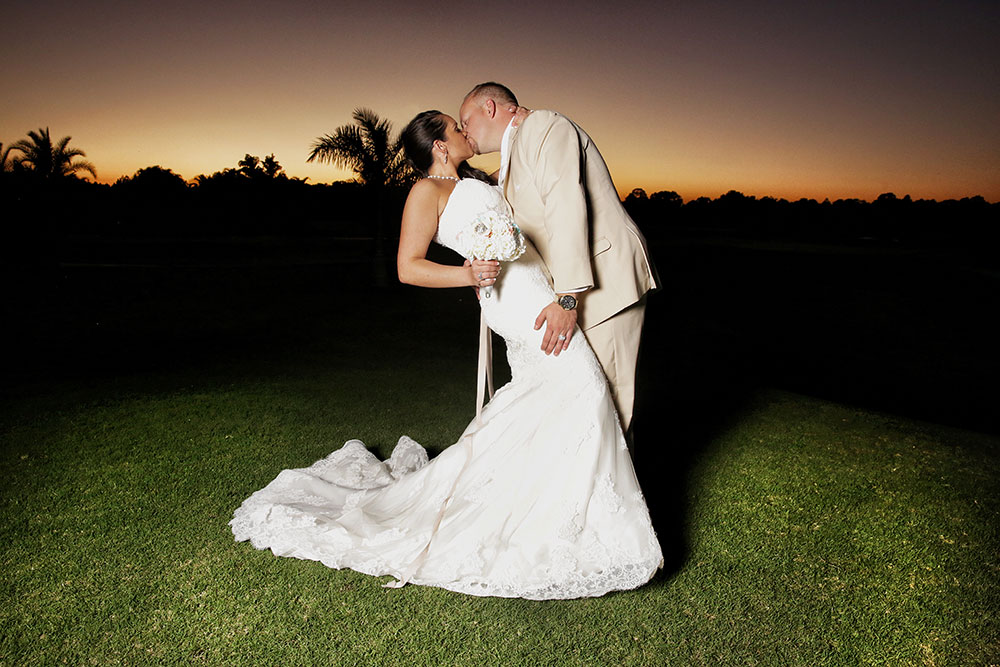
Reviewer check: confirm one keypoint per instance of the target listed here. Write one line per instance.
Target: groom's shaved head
(484, 115)
(494, 91)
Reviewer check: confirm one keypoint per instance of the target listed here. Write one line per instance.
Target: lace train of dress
(537, 500)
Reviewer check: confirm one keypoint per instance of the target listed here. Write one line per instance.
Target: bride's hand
(483, 272)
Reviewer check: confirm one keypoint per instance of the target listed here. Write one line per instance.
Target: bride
(537, 499)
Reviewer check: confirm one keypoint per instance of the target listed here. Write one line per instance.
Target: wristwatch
(567, 301)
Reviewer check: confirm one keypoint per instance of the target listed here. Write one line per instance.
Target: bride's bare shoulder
(427, 196)
(422, 185)
(430, 187)
(423, 191)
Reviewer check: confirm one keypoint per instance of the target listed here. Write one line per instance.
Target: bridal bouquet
(495, 236)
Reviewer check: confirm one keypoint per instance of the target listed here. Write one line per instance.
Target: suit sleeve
(559, 172)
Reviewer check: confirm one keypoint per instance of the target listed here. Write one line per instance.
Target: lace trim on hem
(570, 586)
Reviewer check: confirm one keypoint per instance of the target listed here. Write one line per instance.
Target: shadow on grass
(903, 332)
(691, 388)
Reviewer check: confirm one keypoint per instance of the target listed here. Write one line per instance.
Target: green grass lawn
(816, 534)
(809, 516)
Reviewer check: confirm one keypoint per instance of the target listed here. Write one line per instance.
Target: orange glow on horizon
(789, 102)
(626, 176)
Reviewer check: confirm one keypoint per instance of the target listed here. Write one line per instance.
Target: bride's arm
(420, 216)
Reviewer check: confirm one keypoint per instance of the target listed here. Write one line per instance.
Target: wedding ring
(562, 336)
(480, 275)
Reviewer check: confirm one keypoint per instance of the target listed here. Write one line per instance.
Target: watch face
(568, 302)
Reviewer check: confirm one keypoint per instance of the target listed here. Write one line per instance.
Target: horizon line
(622, 192)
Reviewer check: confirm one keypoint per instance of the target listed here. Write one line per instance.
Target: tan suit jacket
(564, 201)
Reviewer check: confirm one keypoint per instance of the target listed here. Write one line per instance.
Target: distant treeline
(257, 198)
(889, 219)
(156, 202)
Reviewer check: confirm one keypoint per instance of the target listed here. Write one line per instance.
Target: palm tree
(369, 150)
(249, 166)
(40, 156)
(366, 148)
(5, 166)
(271, 167)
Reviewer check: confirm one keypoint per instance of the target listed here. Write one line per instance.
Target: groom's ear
(491, 108)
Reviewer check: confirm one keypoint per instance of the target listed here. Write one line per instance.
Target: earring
(444, 157)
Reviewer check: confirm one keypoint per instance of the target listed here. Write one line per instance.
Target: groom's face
(475, 123)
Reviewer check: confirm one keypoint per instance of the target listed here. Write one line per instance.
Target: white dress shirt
(505, 153)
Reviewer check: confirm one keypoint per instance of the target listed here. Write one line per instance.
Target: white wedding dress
(536, 500)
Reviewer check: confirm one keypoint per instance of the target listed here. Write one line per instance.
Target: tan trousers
(615, 341)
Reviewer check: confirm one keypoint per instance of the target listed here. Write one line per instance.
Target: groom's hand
(560, 322)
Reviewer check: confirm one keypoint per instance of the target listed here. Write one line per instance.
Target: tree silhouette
(249, 166)
(271, 167)
(637, 205)
(47, 160)
(5, 164)
(153, 179)
(152, 201)
(667, 198)
(369, 150)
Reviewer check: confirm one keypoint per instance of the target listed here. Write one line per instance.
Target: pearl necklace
(443, 178)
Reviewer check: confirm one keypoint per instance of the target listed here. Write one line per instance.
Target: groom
(563, 199)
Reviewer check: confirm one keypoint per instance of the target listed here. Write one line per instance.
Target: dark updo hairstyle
(419, 136)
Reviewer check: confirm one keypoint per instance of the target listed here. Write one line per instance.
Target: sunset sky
(786, 99)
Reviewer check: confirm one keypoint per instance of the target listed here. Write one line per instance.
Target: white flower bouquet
(495, 236)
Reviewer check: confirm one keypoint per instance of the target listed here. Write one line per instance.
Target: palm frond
(5, 162)
(41, 138)
(371, 123)
(49, 160)
(367, 148)
(82, 165)
(344, 148)
(23, 146)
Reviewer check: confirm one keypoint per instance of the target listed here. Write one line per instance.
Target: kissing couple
(538, 498)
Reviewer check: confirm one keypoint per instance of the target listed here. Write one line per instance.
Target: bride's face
(459, 147)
